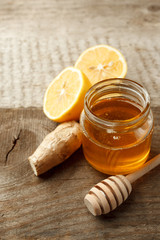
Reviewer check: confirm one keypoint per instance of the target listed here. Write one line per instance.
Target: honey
(117, 126)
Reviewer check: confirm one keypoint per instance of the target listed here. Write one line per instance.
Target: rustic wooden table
(38, 39)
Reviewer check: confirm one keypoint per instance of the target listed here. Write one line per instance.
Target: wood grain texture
(51, 206)
(39, 38)
(71, 17)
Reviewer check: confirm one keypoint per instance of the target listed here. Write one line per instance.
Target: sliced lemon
(63, 100)
(102, 62)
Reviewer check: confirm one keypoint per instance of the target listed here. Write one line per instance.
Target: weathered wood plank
(78, 17)
(39, 38)
(51, 206)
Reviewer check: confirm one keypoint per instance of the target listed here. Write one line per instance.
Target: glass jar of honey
(117, 126)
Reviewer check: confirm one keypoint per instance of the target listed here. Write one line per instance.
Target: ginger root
(56, 147)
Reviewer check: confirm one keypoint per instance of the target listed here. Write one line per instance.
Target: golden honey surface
(114, 151)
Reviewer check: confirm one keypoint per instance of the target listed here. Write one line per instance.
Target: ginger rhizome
(56, 147)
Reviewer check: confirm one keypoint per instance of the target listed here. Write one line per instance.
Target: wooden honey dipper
(111, 192)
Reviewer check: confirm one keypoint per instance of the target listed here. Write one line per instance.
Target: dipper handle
(111, 192)
(148, 166)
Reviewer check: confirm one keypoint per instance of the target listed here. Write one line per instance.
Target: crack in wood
(13, 145)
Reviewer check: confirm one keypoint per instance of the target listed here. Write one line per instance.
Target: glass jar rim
(117, 123)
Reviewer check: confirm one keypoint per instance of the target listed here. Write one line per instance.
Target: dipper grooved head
(107, 195)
